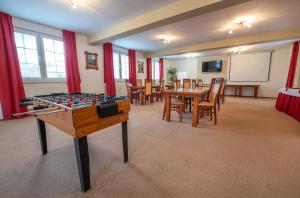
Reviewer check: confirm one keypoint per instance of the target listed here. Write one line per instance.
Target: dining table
(194, 93)
(140, 88)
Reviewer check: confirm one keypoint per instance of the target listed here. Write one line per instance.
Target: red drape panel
(149, 68)
(161, 69)
(11, 84)
(109, 77)
(293, 65)
(72, 71)
(132, 67)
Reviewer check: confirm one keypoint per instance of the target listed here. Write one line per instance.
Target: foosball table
(78, 115)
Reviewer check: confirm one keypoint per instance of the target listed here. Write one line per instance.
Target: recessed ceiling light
(230, 32)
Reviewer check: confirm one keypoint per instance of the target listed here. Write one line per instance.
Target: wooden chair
(175, 105)
(135, 94)
(177, 84)
(187, 83)
(221, 97)
(148, 92)
(139, 82)
(187, 100)
(158, 93)
(194, 83)
(211, 105)
(199, 82)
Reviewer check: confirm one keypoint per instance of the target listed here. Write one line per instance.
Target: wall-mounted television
(212, 66)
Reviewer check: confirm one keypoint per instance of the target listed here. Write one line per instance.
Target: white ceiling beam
(279, 35)
(177, 11)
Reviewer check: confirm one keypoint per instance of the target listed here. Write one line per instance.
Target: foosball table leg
(42, 134)
(82, 157)
(125, 141)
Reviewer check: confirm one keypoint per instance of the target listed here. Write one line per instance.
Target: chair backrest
(222, 88)
(128, 85)
(199, 82)
(162, 85)
(148, 87)
(194, 83)
(177, 84)
(216, 85)
(187, 83)
(139, 82)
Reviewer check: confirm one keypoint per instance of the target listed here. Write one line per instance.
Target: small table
(194, 93)
(238, 89)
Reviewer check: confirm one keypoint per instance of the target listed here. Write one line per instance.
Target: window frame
(121, 66)
(41, 57)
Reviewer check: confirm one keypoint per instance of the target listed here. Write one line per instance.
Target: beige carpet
(254, 151)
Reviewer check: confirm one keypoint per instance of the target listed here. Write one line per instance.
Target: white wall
(278, 71)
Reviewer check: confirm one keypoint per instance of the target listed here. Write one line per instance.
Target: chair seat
(157, 92)
(136, 92)
(206, 104)
(177, 102)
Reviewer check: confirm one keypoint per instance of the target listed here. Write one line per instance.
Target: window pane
(59, 47)
(116, 65)
(50, 58)
(19, 39)
(30, 71)
(29, 41)
(31, 56)
(21, 55)
(125, 66)
(48, 45)
(156, 70)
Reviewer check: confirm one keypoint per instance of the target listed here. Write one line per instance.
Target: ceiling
(227, 51)
(267, 15)
(91, 16)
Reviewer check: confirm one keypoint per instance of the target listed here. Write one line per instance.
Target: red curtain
(132, 67)
(72, 71)
(109, 77)
(11, 84)
(149, 68)
(161, 69)
(293, 65)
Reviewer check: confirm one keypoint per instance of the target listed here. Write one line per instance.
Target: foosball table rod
(34, 111)
(46, 113)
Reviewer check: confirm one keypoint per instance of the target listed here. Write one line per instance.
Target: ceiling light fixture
(164, 41)
(230, 32)
(74, 5)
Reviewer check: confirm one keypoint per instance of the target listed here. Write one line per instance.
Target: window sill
(44, 81)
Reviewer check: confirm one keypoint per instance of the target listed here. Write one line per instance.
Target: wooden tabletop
(199, 91)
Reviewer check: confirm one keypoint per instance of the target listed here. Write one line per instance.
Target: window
(41, 57)
(54, 58)
(155, 70)
(121, 65)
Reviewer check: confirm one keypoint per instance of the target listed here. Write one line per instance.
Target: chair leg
(218, 101)
(181, 110)
(215, 114)
(210, 113)
(164, 113)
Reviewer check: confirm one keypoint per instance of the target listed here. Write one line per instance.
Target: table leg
(83, 164)
(168, 104)
(42, 134)
(240, 91)
(131, 95)
(255, 92)
(195, 116)
(125, 141)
